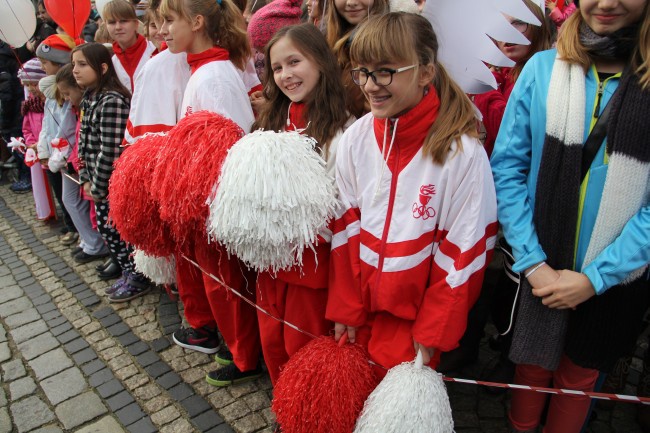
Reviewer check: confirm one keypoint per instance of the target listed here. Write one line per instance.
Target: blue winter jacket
(515, 164)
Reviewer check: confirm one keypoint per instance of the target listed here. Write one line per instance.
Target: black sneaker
(202, 339)
(82, 257)
(224, 356)
(75, 251)
(231, 375)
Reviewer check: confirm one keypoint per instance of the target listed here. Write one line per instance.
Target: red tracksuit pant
(299, 305)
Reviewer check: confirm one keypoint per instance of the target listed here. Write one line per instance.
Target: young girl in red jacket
(304, 93)
(131, 49)
(212, 34)
(418, 218)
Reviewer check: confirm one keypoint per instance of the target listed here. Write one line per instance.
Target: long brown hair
(327, 98)
(540, 39)
(571, 49)
(97, 55)
(400, 36)
(224, 24)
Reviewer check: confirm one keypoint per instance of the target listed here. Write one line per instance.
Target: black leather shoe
(110, 272)
(102, 266)
(75, 251)
(87, 258)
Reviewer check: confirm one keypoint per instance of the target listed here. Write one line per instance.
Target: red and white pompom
(189, 166)
(273, 198)
(411, 398)
(322, 387)
(160, 270)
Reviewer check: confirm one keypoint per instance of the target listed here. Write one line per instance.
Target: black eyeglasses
(381, 77)
(521, 26)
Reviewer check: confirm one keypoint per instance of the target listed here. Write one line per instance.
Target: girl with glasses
(418, 218)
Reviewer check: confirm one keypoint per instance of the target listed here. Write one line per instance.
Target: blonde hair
(224, 24)
(571, 49)
(405, 37)
(119, 10)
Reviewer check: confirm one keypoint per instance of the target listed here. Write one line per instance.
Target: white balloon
(99, 5)
(17, 21)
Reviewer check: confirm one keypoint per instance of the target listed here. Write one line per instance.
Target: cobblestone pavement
(70, 361)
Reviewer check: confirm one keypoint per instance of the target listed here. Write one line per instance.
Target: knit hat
(271, 18)
(31, 72)
(56, 48)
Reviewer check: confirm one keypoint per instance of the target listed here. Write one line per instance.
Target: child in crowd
(131, 49)
(300, 55)
(266, 22)
(92, 246)
(218, 53)
(493, 104)
(105, 109)
(559, 14)
(342, 18)
(151, 31)
(33, 112)
(151, 109)
(578, 221)
(59, 120)
(418, 218)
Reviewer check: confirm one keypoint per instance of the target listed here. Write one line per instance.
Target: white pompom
(160, 270)
(409, 399)
(273, 197)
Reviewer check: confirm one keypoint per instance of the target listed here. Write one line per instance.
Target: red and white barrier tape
(557, 391)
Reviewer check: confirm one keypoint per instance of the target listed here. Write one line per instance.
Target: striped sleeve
(344, 304)
(460, 261)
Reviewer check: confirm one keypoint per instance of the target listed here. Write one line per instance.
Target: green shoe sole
(223, 383)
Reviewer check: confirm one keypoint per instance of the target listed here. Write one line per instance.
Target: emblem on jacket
(188, 110)
(422, 210)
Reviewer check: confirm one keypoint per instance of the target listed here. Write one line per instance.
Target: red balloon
(70, 15)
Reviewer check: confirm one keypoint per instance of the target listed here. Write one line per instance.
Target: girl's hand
(568, 291)
(340, 329)
(550, 5)
(542, 277)
(427, 352)
(87, 189)
(44, 163)
(257, 101)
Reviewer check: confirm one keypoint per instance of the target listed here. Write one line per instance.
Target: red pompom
(133, 210)
(322, 388)
(189, 167)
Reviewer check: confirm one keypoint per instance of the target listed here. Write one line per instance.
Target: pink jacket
(32, 125)
(559, 16)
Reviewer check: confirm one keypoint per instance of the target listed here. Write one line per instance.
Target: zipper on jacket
(599, 97)
(389, 215)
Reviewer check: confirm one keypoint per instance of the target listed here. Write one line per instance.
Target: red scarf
(212, 55)
(297, 119)
(412, 129)
(130, 58)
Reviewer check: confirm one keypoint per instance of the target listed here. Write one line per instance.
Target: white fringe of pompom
(410, 399)
(273, 197)
(160, 270)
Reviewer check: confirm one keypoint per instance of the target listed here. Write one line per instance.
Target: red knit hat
(271, 18)
(56, 48)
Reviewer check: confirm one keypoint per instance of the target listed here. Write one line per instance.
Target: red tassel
(133, 210)
(189, 167)
(322, 388)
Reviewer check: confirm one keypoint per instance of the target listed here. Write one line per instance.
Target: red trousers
(389, 342)
(299, 305)
(237, 321)
(189, 280)
(566, 413)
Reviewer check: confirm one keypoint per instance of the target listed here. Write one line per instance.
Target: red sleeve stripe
(398, 249)
(351, 215)
(462, 259)
(259, 87)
